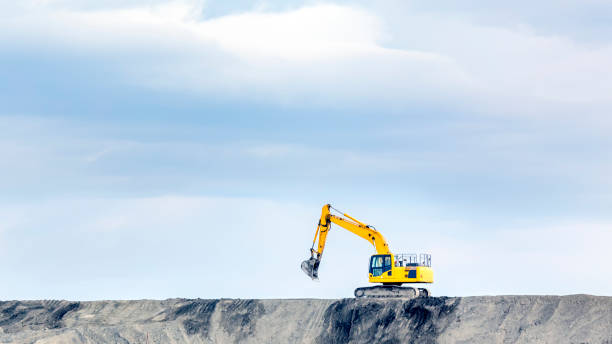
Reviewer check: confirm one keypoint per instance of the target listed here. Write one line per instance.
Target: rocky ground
(479, 319)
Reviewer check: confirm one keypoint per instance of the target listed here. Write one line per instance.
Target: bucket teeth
(311, 268)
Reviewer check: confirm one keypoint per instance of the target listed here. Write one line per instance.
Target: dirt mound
(482, 319)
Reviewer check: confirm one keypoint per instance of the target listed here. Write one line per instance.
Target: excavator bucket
(311, 268)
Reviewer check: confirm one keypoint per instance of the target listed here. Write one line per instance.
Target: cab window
(380, 264)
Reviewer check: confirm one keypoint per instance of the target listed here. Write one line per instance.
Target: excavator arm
(311, 266)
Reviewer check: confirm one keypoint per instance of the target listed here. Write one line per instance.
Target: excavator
(390, 270)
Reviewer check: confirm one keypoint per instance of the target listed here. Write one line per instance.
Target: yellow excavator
(391, 270)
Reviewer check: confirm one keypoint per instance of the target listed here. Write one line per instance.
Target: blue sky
(155, 149)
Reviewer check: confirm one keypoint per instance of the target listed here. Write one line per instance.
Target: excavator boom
(369, 233)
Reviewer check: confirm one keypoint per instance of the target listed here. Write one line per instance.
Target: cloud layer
(175, 246)
(146, 143)
(330, 54)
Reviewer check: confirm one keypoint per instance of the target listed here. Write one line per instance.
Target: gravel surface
(479, 319)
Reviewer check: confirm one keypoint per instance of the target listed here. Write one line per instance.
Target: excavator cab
(379, 264)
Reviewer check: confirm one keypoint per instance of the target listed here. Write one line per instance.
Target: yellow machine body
(385, 267)
(395, 274)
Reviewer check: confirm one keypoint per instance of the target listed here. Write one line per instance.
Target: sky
(158, 149)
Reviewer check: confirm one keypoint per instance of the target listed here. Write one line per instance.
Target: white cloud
(321, 53)
(320, 32)
(334, 55)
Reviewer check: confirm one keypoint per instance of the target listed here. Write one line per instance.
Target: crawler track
(391, 291)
